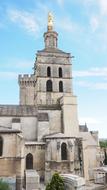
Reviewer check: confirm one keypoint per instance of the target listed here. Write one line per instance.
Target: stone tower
(51, 83)
(52, 73)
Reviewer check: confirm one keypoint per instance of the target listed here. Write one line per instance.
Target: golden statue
(50, 21)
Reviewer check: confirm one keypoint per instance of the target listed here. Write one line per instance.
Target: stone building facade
(42, 133)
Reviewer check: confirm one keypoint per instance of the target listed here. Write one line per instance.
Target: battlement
(26, 76)
(26, 79)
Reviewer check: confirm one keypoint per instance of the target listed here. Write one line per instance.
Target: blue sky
(82, 28)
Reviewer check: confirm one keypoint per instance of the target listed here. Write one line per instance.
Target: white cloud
(25, 19)
(8, 75)
(60, 2)
(98, 18)
(100, 86)
(95, 72)
(67, 25)
(20, 64)
(89, 120)
(95, 124)
(94, 22)
(83, 84)
(17, 64)
(96, 13)
(92, 85)
(103, 7)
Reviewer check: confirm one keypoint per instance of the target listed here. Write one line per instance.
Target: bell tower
(50, 86)
(52, 69)
(52, 76)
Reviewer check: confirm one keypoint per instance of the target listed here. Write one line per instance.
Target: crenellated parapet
(27, 80)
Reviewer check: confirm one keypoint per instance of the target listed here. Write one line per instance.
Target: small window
(48, 71)
(63, 151)
(60, 72)
(60, 86)
(49, 86)
(29, 161)
(16, 120)
(1, 146)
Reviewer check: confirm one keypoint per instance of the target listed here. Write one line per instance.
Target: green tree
(56, 183)
(4, 185)
(103, 144)
(105, 160)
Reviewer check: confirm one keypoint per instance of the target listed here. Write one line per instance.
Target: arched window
(48, 71)
(29, 161)
(49, 86)
(1, 146)
(63, 151)
(60, 72)
(60, 86)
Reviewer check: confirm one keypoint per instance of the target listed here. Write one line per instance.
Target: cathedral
(42, 134)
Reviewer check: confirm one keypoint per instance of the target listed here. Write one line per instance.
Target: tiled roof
(18, 110)
(57, 135)
(53, 50)
(8, 130)
(22, 111)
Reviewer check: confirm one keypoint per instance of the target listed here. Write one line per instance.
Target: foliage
(4, 185)
(103, 144)
(105, 160)
(56, 183)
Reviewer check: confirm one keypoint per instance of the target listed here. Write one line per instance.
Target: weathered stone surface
(18, 110)
(32, 180)
(73, 182)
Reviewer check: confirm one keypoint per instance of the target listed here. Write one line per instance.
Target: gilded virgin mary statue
(50, 21)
